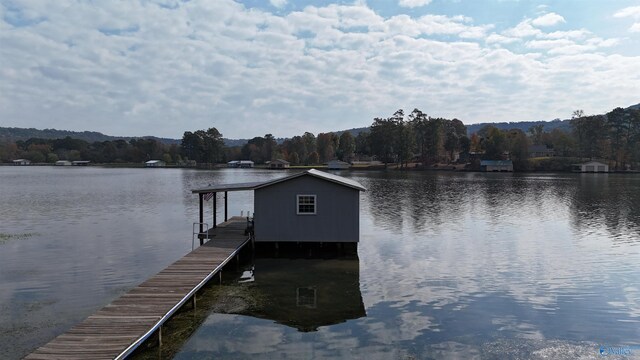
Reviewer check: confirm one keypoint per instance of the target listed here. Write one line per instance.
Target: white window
(306, 204)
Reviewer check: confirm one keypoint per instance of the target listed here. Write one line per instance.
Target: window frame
(315, 204)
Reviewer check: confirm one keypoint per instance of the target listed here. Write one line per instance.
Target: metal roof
(496, 162)
(228, 187)
(257, 185)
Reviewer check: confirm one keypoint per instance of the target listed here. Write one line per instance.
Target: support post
(225, 206)
(215, 198)
(160, 336)
(201, 198)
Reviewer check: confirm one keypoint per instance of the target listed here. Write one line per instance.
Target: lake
(449, 265)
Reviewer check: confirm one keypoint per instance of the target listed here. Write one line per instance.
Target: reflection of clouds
(631, 305)
(454, 350)
(265, 338)
(508, 235)
(518, 328)
(402, 326)
(236, 335)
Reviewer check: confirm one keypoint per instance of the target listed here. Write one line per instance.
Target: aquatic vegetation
(7, 237)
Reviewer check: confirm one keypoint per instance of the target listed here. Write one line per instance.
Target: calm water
(450, 265)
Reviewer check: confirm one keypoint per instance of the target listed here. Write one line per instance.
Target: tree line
(402, 139)
(117, 151)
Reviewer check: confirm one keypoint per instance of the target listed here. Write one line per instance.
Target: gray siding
(337, 216)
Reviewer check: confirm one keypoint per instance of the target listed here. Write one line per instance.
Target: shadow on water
(302, 288)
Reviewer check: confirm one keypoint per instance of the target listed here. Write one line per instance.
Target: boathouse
(240, 164)
(338, 165)
(309, 206)
(496, 165)
(590, 167)
(155, 163)
(21, 162)
(279, 164)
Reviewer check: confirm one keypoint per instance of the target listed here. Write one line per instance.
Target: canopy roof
(256, 185)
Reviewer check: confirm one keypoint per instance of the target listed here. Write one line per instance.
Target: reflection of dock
(120, 327)
(308, 293)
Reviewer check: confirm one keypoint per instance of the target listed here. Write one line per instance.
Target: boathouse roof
(257, 185)
(496, 163)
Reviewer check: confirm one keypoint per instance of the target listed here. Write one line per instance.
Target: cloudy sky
(162, 67)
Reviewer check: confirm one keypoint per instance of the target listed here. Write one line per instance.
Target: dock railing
(199, 234)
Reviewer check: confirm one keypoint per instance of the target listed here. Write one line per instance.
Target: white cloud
(523, 29)
(413, 3)
(278, 3)
(631, 11)
(140, 69)
(496, 38)
(549, 19)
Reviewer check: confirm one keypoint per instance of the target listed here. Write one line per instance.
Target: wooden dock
(116, 330)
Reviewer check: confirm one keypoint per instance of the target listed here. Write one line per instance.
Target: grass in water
(6, 237)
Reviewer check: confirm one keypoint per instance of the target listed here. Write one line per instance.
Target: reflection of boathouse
(309, 206)
(308, 293)
(496, 165)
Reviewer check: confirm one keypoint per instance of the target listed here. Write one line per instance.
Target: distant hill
(563, 125)
(15, 134)
(524, 126)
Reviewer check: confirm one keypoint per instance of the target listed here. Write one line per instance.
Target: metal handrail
(194, 233)
(159, 323)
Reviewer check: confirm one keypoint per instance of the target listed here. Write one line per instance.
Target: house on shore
(244, 164)
(155, 163)
(590, 167)
(279, 164)
(63, 163)
(338, 165)
(21, 162)
(307, 207)
(536, 151)
(496, 165)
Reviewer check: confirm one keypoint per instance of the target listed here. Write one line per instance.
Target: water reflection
(308, 293)
(306, 296)
(450, 264)
(611, 200)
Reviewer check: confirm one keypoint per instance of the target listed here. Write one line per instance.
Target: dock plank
(112, 330)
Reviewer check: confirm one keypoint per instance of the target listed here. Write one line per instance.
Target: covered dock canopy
(212, 190)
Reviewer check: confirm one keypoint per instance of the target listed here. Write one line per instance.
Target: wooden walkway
(120, 327)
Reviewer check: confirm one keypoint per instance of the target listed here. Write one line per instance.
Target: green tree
(363, 145)
(294, 158)
(536, 132)
(346, 147)
(494, 142)
(310, 145)
(313, 158)
(326, 146)
(518, 147)
(381, 138)
(618, 129)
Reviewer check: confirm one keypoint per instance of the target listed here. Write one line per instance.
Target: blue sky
(284, 67)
